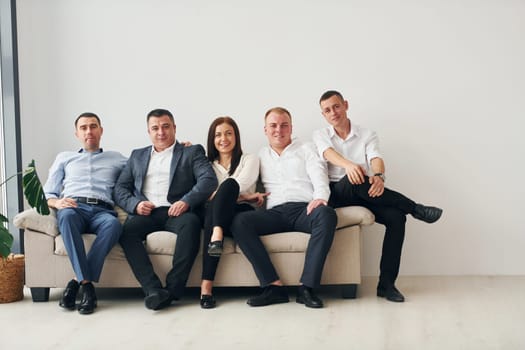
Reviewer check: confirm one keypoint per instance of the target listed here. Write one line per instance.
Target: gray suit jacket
(192, 178)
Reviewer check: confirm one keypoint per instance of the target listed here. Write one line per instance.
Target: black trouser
(390, 209)
(321, 223)
(187, 227)
(220, 212)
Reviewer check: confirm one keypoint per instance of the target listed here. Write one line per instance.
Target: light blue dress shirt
(84, 174)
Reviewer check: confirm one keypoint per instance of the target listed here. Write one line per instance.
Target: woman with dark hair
(237, 174)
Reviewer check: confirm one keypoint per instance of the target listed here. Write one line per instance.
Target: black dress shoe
(69, 296)
(270, 295)
(215, 248)
(157, 299)
(390, 293)
(306, 296)
(207, 301)
(88, 302)
(427, 214)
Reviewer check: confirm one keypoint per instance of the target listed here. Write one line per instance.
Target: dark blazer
(192, 178)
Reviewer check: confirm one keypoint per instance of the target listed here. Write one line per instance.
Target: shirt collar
(169, 149)
(354, 131)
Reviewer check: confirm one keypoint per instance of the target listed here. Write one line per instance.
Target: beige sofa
(47, 264)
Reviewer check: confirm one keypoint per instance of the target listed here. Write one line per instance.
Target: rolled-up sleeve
(372, 147)
(322, 141)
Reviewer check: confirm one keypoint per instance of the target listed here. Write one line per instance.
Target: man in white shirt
(163, 187)
(297, 181)
(356, 171)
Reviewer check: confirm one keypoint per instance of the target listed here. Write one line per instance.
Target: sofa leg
(40, 294)
(349, 291)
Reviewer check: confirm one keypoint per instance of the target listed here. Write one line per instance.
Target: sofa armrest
(354, 215)
(41, 223)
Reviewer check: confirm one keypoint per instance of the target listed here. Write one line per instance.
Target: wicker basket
(12, 278)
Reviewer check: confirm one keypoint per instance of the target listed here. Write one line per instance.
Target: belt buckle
(92, 201)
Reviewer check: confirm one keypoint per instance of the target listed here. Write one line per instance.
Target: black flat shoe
(69, 296)
(391, 293)
(88, 302)
(215, 248)
(207, 301)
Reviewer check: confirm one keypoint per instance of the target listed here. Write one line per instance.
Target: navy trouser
(390, 209)
(187, 227)
(321, 223)
(87, 218)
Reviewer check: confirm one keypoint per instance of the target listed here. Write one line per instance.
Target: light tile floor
(440, 313)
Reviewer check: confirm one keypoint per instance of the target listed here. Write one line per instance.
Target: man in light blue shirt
(79, 187)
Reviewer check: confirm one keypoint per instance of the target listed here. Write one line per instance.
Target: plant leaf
(6, 241)
(33, 190)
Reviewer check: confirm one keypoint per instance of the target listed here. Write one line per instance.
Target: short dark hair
(280, 110)
(213, 154)
(87, 115)
(159, 112)
(329, 94)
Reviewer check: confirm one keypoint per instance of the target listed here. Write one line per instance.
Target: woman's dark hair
(213, 154)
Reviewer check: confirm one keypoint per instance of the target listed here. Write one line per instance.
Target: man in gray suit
(163, 187)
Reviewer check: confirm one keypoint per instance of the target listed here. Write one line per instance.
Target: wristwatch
(381, 175)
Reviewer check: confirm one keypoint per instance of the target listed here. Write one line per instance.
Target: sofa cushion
(115, 253)
(163, 243)
(354, 215)
(284, 242)
(40, 223)
(160, 242)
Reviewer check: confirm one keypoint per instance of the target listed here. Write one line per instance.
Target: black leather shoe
(69, 296)
(427, 214)
(207, 301)
(306, 296)
(157, 299)
(215, 248)
(88, 302)
(270, 295)
(391, 293)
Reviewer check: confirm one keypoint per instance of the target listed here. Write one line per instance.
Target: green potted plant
(12, 265)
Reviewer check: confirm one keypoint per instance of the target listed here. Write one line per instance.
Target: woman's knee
(230, 185)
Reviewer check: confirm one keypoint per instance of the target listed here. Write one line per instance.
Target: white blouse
(246, 174)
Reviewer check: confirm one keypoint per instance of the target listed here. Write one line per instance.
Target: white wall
(442, 82)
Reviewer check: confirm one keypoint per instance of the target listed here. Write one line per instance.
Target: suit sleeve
(124, 188)
(205, 179)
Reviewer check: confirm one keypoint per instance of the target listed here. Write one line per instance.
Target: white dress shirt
(246, 173)
(297, 175)
(156, 182)
(360, 147)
